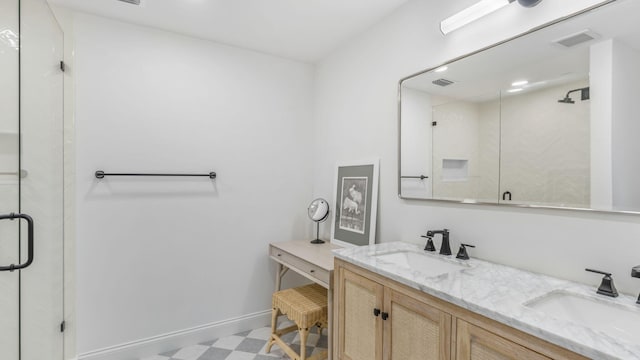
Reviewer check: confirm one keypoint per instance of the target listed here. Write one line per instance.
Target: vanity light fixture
(478, 10)
(519, 83)
(471, 14)
(441, 69)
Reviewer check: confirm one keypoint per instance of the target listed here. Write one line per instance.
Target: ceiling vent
(442, 82)
(134, 2)
(577, 38)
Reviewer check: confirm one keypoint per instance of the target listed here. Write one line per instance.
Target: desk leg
(280, 271)
(330, 321)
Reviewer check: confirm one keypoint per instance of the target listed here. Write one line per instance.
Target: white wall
(160, 255)
(356, 93)
(601, 80)
(615, 173)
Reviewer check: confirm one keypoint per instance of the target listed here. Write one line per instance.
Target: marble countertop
(499, 292)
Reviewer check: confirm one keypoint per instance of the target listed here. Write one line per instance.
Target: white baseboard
(177, 339)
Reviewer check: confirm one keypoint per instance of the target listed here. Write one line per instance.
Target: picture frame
(356, 203)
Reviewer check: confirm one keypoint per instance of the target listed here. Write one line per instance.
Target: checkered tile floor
(248, 345)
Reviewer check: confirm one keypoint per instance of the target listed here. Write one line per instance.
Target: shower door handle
(29, 219)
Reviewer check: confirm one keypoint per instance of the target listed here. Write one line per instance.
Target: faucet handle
(429, 246)
(606, 286)
(462, 252)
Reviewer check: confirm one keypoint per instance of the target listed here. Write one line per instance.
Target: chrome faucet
(635, 272)
(445, 248)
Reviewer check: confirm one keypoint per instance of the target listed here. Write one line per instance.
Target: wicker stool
(306, 306)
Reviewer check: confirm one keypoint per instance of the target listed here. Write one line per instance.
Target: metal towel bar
(421, 177)
(101, 174)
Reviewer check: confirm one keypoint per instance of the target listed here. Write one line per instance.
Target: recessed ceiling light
(519, 83)
(514, 90)
(441, 69)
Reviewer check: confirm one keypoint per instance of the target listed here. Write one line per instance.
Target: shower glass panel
(31, 180)
(9, 182)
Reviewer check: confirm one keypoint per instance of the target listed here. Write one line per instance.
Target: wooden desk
(313, 261)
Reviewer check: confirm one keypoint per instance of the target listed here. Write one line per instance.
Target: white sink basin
(616, 320)
(427, 265)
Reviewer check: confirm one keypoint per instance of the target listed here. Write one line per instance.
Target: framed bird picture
(356, 205)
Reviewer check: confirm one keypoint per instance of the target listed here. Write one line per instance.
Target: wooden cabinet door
(359, 330)
(414, 330)
(474, 343)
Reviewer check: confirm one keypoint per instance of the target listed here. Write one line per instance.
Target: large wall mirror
(548, 119)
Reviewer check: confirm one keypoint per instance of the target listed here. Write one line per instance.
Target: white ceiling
(304, 30)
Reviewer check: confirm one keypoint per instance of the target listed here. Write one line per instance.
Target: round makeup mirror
(318, 211)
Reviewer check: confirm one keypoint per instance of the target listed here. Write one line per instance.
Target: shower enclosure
(31, 182)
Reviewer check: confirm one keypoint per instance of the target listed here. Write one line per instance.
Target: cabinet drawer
(476, 343)
(300, 266)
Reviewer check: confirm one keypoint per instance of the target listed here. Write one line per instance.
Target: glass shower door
(9, 181)
(31, 181)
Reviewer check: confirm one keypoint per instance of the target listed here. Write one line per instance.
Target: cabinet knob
(279, 254)
(376, 312)
(312, 271)
(385, 316)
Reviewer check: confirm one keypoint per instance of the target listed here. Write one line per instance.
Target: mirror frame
(466, 201)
